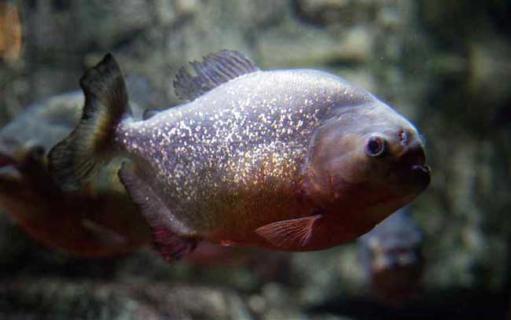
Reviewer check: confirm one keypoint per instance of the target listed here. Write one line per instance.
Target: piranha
(292, 160)
(391, 255)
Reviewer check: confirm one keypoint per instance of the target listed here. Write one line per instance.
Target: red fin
(293, 234)
(171, 246)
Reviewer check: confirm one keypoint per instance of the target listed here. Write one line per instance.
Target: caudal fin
(77, 156)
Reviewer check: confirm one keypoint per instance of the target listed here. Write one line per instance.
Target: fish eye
(376, 146)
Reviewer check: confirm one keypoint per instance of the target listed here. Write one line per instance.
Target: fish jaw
(412, 170)
(352, 209)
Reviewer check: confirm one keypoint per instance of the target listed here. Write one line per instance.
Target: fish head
(366, 158)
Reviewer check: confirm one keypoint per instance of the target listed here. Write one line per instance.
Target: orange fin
(292, 234)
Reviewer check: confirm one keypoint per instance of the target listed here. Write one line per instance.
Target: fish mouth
(424, 169)
(423, 172)
(415, 169)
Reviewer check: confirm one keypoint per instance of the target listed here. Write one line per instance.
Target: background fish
(391, 255)
(291, 160)
(98, 220)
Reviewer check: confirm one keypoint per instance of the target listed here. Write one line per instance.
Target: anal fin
(292, 234)
(169, 244)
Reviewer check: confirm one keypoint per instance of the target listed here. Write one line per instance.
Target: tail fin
(76, 157)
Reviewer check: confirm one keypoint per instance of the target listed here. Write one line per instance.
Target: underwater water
(443, 64)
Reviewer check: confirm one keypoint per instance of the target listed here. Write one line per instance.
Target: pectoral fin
(292, 234)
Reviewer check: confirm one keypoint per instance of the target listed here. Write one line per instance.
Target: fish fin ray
(162, 222)
(171, 246)
(292, 234)
(76, 157)
(215, 69)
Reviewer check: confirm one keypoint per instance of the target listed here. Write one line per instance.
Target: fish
(290, 160)
(99, 220)
(42, 124)
(392, 257)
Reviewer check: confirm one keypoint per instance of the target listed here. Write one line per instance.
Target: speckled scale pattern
(250, 135)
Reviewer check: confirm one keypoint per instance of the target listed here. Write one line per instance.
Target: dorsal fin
(215, 69)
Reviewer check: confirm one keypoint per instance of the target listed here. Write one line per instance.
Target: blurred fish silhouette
(289, 159)
(98, 220)
(392, 257)
(10, 31)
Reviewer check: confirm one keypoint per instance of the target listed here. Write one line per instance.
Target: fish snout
(413, 155)
(413, 163)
